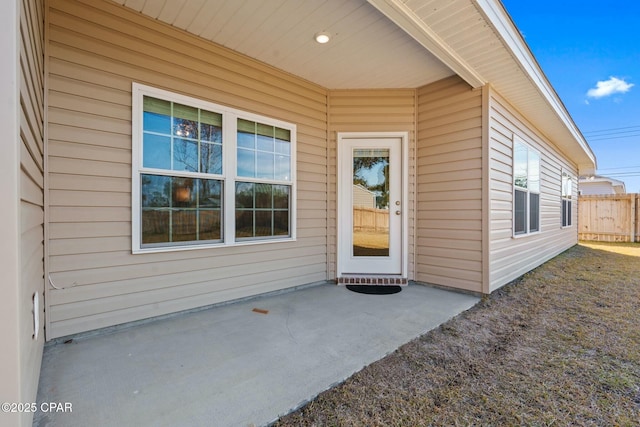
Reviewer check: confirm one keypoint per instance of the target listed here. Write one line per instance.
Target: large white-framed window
(526, 188)
(207, 175)
(567, 185)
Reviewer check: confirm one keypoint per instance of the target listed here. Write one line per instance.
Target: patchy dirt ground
(559, 346)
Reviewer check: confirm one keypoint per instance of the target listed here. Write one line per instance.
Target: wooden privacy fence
(609, 218)
(369, 219)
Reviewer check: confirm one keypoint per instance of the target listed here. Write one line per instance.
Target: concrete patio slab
(230, 365)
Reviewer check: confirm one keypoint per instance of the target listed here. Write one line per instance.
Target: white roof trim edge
(406, 19)
(494, 14)
(504, 26)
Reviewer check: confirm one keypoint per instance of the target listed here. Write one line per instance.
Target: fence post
(634, 218)
(637, 215)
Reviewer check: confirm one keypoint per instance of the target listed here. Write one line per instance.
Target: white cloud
(609, 87)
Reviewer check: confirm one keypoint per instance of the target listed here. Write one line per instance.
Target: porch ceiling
(366, 50)
(385, 44)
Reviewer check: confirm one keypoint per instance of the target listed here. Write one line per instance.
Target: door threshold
(358, 279)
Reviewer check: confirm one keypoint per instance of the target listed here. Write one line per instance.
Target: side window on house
(526, 183)
(567, 184)
(207, 175)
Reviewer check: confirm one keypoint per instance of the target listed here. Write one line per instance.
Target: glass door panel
(370, 202)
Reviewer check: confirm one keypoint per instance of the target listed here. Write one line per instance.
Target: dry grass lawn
(560, 346)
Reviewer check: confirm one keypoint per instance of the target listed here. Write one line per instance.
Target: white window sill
(523, 235)
(193, 247)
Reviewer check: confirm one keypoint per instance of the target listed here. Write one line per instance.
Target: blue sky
(590, 52)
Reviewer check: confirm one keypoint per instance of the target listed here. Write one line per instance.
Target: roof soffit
(406, 19)
(495, 13)
(484, 36)
(386, 44)
(366, 49)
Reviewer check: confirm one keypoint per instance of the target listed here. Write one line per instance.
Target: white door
(370, 205)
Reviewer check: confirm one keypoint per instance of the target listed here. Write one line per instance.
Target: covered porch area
(238, 364)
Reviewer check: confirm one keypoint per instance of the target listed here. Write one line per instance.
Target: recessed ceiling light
(323, 38)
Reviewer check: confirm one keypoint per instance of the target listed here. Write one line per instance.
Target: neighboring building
(597, 184)
(171, 155)
(363, 197)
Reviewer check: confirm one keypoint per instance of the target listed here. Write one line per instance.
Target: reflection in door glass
(371, 202)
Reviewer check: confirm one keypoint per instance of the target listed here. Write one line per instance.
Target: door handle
(397, 212)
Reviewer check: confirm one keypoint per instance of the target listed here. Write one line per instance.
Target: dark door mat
(374, 289)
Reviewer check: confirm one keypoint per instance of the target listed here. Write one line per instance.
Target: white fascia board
(411, 23)
(503, 24)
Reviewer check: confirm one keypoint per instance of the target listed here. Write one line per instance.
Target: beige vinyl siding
(511, 257)
(31, 194)
(449, 185)
(379, 110)
(97, 49)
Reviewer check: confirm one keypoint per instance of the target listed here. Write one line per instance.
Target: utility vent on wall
(36, 315)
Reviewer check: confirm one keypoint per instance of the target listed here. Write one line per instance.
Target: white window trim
(514, 187)
(229, 177)
(564, 173)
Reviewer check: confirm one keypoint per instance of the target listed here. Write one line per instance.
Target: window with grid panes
(208, 175)
(567, 184)
(526, 184)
